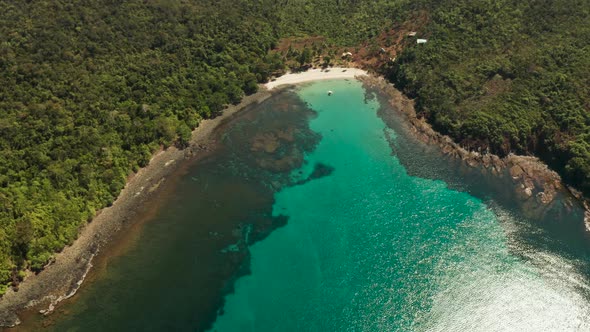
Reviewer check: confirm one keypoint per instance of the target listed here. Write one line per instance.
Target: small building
(421, 41)
(412, 34)
(346, 54)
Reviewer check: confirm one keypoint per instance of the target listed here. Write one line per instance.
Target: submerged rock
(266, 142)
(9, 319)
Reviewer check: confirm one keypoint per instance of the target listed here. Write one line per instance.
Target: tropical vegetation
(91, 89)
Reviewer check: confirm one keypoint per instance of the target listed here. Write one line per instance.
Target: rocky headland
(535, 186)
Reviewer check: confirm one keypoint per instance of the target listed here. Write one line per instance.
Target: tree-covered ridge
(508, 76)
(344, 22)
(89, 90)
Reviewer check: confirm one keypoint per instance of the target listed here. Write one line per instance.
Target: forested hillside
(507, 76)
(91, 89)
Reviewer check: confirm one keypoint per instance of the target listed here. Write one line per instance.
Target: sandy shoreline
(316, 75)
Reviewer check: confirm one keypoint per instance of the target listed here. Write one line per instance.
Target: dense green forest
(90, 90)
(507, 76)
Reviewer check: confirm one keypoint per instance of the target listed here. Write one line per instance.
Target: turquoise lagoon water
(307, 221)
(370, 248)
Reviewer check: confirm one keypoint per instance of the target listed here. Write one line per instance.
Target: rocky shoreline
(536, 186)
(62, 278)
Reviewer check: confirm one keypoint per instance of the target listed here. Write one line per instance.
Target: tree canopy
(507, 76)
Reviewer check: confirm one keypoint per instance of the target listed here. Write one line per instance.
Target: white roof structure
(421, 41)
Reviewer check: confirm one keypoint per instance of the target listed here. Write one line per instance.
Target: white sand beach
(315, 75)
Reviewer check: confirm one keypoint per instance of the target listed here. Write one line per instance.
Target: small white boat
(330, 93)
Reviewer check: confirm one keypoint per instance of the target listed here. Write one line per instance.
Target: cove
(310, 214)
(370, 248)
